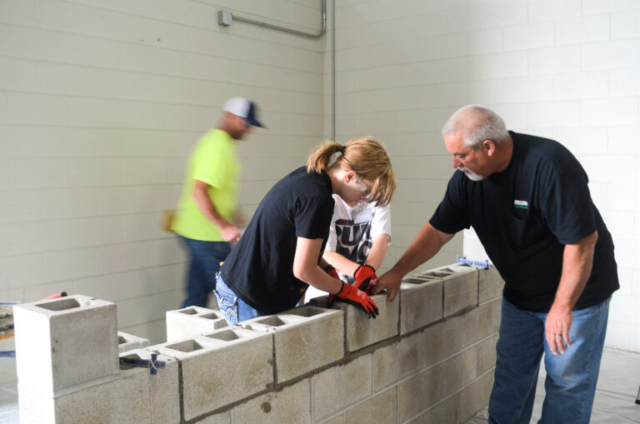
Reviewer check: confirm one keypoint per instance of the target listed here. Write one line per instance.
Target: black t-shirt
(260, 268)
(525, 215)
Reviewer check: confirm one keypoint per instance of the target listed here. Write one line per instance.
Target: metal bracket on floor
(485, 264)
(153, 364)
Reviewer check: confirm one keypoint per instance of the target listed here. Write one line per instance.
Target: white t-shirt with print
(353, 230)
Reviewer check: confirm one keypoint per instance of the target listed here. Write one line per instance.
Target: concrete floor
(615, 394)
(614, 403)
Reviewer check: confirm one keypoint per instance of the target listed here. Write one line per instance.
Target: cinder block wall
(100, 105)
(565, 69)
(314, 365)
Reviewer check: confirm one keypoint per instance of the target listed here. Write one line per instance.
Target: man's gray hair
(477, 123)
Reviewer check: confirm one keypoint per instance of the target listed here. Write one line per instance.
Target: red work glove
(358, 298)
(366, 278)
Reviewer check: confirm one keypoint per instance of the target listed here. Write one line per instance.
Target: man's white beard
(470, 174)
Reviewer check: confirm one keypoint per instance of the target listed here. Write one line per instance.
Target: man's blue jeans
(205, 264)
(571, 378)
(233, 308)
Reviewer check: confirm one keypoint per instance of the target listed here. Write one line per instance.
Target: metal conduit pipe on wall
(226, 18)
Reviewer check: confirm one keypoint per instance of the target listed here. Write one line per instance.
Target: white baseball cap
(243, 108)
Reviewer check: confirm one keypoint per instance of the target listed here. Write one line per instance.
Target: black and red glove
(358, 298)
(366, 278)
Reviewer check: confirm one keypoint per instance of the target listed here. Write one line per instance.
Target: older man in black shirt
(528, 200)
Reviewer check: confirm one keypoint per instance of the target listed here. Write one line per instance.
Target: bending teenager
(280, 253)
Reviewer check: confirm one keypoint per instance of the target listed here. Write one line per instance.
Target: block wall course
(305, 339)
(341, 386)
(361, 331)
(291, 405)
(208, 385)
(394, 362)
(421, 303)
(420, 392)
(381, 408)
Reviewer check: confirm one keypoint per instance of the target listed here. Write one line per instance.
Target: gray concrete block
(394, 362)
(193, 321)
(459, 371)
(127, 342)
(380, 409)
(134, 396)
(339, 387)
(446, 412)
(61, 343)
(477, 324)
(475, 397)
(460, 287)
(420, 392)
(363, 331)
(490, 285)
(441, 341)
(221, 367)
(421, 303)
(305, 339)
(164, 386)
(486, 355)
(291, 405)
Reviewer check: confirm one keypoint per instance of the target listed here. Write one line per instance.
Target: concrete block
(394, 362)
(420, 392)
(127, 342)
(460, 287)
(134, 396)
(421, 302)
(339, 387)
(444, 412)
(193, 321)
(475, 397)
(459, 371)
(221, 367)
(490, 285)
(478, 324)
(291, 405)
(382, 408)
(164, 386)
(305, 339)
(65, 342)
(486, 355)
(362, 331)
(441, 341)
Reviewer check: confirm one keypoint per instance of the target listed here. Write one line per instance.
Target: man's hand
(366, 278)
(230, 233)
(557, 326)
(358, 298)
(389, 281)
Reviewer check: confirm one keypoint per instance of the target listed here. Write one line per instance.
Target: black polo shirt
(525, 215)
(260, 268)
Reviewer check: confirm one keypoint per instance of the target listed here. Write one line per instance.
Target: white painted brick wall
(568, 69)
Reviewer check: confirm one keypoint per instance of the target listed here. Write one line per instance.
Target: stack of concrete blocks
(427, 358)
(193, 321)
(127, 342)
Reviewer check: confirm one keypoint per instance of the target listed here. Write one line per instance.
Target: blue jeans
(205, 264)
(233, 308)
(571, 378)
